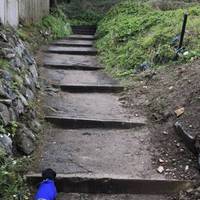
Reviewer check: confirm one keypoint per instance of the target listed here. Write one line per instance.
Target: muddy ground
(160, 93)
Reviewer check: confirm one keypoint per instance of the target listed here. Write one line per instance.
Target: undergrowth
(135, 35)
(12, 184)
(86, 12)
(56, 25)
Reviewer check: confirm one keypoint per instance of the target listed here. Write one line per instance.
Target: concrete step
(81, 37)
(81, 81)
(60, 61)
(113, 185)
(74, 43)
(89, 109)
(72, 50)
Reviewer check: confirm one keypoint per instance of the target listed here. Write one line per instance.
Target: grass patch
(51, 27)
(134, 34)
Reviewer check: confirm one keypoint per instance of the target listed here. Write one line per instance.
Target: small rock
(35, 126)
(28, 81)
(4, 114)
(23, 99)
(5, 75)
(6, 144)
(165, 132)
(178, 145)
(189, 190)
(161, 160)
(7, 102)
(186, 168)
(19, 107)
(160, 169)
(29, 94)
(34, 72)
(171, 88)
(4, 93)
(25, 140)
(181, 150)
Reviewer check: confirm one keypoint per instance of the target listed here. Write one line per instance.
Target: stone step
(77, 122)
(89, 109)
(84, 29)
(60, 61)
(100, 152)
(81, 81)
(112, 185)
(74, 43)
(72, 50)
(90, 88)
(81, 37)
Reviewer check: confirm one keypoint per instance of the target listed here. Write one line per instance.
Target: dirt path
(90, 132)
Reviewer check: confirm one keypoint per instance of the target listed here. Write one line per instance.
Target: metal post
(183, 30)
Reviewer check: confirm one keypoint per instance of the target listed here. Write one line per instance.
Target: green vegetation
(11, 178)
(86, 12)
(135, 33)
(12, 183)
(49, 28)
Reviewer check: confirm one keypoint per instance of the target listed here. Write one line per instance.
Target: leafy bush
(133, 33)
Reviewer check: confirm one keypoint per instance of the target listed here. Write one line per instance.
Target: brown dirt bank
(160, 93)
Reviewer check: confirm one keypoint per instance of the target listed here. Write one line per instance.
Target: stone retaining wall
(18, 89)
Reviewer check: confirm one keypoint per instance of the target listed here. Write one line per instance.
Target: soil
(160, 93)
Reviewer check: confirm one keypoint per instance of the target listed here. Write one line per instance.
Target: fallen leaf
(179, 111)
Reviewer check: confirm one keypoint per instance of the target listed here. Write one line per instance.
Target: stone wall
(18, 88)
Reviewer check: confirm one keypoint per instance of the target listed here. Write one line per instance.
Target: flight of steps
(93, 143)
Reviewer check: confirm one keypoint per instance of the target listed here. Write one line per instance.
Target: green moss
(133, 33)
